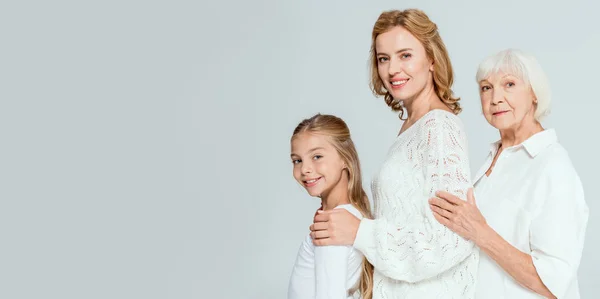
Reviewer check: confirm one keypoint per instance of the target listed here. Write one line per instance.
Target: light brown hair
(423, 29)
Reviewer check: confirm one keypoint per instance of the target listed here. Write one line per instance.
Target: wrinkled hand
(334, 227)
(463, 218)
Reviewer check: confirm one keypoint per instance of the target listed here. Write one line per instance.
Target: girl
(326, 164)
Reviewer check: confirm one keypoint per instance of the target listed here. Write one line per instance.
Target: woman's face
(402, 63)
(507, 101)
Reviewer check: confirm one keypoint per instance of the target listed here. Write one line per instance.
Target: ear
(431, 66)
(535, 100)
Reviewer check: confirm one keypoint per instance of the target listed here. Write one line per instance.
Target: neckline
(534, 144)
(423, 117)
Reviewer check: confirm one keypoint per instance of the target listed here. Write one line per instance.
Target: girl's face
(317, 165)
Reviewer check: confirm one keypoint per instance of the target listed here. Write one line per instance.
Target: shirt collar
(533, 145)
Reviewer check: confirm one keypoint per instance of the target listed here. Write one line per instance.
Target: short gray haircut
(524, 66)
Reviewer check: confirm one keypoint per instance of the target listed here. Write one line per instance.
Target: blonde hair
(524, 66)
(338, 133)
(423, 29)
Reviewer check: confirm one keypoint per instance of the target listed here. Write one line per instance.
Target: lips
(311, 182)
(499, 113)
(398, 83)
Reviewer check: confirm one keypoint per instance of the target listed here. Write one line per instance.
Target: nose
(394, 67)
(306, 168)
(497, 96)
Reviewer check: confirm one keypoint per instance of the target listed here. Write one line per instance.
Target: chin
(502, 125)
(314, 193)
(398, 94)
(402, 95)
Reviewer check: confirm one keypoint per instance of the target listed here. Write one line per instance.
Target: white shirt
(534, 199)
(326, 272)
(413, 254)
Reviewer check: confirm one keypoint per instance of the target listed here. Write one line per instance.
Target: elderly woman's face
(506, 100)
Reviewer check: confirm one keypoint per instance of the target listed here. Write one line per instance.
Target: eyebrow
(310, 151)
(487, 81)
(399, 51)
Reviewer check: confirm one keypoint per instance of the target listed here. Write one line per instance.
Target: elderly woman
(531, 216)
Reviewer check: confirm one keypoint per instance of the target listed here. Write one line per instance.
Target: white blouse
(326, 272)
(413, 254)
(534, 199)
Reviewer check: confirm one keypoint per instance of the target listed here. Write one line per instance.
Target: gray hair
(524, 66)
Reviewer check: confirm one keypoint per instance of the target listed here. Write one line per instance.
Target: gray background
(144, 144)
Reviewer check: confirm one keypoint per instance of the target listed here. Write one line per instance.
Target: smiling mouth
(311, 182)
(398, 83)
(499, 112)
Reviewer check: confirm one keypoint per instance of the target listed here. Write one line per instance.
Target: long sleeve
(331, 271)
(320, 272)
(411, 245)
(302, 280)
(557, 232)
(325, 272)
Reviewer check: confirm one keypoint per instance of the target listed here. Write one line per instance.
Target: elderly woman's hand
(463, 218)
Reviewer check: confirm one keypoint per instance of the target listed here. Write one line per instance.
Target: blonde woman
(414, 256)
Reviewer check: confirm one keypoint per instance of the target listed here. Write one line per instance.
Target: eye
(296, 161)
(485, 88)
(382, 59)
(317, 157)
(510, 84)
(405, 55)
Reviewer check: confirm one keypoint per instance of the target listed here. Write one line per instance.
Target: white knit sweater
(413, 254)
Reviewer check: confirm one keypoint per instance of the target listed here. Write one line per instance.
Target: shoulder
(445, 129)
(558, 172)
(350, 208)
(307, 249)
(561, 184)
(442, 120)
(557, 163)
